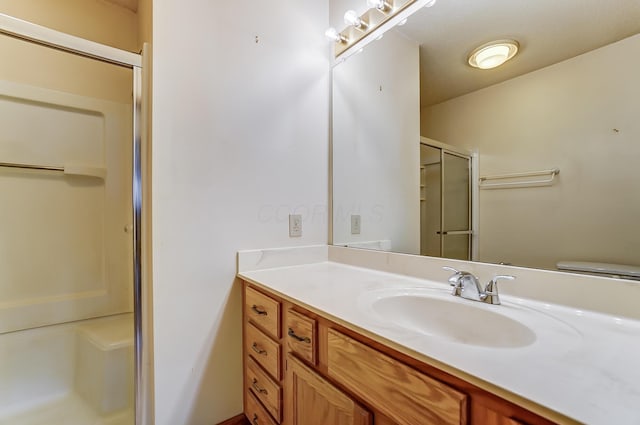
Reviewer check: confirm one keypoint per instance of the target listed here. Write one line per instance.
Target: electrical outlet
(355, 224)
(295, 225)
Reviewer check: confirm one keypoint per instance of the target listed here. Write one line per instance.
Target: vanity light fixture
(351, 18)
(381, 16)
(493, 54)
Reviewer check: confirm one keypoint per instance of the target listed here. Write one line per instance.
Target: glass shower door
(445, 203)
(456, 207)
(66, 245)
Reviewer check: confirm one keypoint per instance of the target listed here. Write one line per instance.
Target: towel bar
(519, 183)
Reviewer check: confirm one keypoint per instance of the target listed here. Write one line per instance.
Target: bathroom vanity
(330, 339)
(301, 366)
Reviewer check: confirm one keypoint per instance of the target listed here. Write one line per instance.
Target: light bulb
(351, 18)
(381, 5)
(333, 35)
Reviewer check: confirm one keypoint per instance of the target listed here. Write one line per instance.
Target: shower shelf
(69, 169)
(518, 180)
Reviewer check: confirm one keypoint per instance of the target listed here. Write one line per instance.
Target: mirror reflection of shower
(445, 201)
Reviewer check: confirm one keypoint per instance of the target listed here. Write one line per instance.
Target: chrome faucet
(466, 285)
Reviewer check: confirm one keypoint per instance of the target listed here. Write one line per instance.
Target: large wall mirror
(562, 117)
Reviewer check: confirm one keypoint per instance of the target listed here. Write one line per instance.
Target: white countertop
(582, 365)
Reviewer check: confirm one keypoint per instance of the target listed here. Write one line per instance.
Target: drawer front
(405, 395)
(301, 336)
(264, 388)
(263, 311)
(263, 350)
(255, 413)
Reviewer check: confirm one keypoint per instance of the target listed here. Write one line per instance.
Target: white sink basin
(437, 313)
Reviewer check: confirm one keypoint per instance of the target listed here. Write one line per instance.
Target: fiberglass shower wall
(65, 236)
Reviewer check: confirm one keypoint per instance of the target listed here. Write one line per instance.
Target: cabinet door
(314, 401)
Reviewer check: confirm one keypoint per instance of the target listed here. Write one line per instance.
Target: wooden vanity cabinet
(327, 374)
(312, 400)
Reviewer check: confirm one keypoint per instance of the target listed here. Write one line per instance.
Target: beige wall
(145, 22)
(562, 116)
(95, 20)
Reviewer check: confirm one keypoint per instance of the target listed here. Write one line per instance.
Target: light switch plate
(355, 224)
(295, 225)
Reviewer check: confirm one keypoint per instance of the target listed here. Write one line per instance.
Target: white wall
(561, 116)
(240, 140)
(376, 136)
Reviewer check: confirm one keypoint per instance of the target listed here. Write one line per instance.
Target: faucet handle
(491, 291)
(455, 280)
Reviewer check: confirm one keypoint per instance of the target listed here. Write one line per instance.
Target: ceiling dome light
(493, 54)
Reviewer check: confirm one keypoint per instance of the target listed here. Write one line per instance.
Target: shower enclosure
(445, 202)
(69, 229)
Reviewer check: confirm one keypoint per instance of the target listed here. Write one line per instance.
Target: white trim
(43, 35)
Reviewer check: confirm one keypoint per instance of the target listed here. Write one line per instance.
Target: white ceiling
(549, 31)
(129, 4)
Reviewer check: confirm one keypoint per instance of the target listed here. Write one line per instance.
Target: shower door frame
(472, 196)
(44, 36)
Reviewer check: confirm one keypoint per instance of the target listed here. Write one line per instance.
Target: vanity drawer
(400, 392)
(262, 310)
(255, 412)
(263, 350)
(264, 388)
(301, 335)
